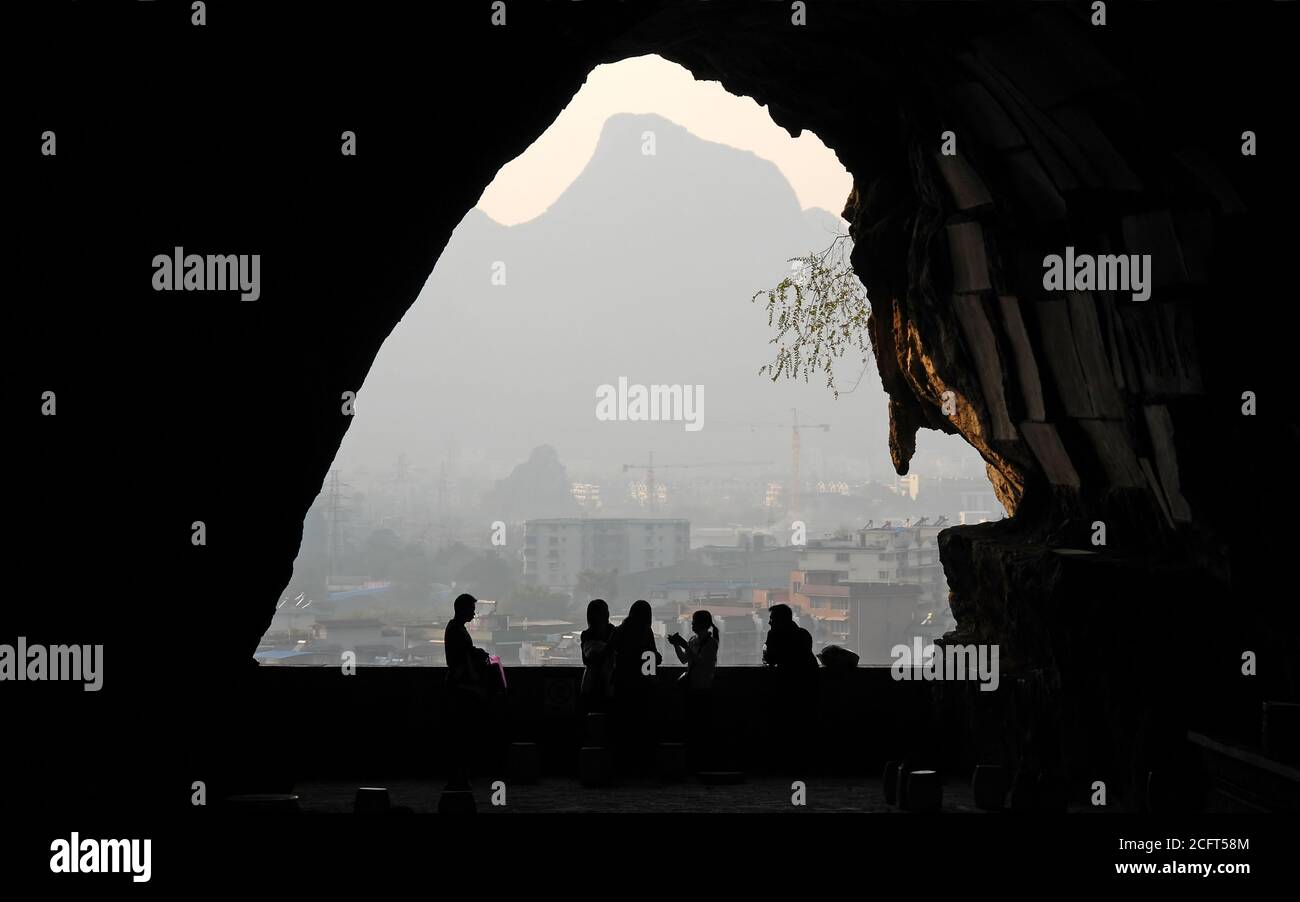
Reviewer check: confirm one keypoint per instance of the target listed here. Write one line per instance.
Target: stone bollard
(371, 800)
(924, 791)
(900, 785)
(890, 781)
(523, 762)
(989, 786)
(1023, 791)
(594, 765)
(672, 760)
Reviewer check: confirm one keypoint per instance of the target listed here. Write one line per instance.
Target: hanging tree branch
(820, 313)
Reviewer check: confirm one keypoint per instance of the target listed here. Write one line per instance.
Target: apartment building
(557, 550)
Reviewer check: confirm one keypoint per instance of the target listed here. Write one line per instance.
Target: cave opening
(1086, 407)
(1138, 594)
(509, 489)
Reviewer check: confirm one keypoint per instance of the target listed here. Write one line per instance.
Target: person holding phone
(700, 655)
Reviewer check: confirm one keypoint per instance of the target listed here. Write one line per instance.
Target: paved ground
(564, 794)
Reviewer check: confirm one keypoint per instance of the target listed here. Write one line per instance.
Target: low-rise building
(875, 589)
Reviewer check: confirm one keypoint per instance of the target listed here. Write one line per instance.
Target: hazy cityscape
(478, 459)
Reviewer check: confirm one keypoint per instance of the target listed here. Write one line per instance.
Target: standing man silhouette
(788, 654)
(466, 691)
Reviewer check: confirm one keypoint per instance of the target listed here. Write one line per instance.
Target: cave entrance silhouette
(1087, 407)
(611, 180)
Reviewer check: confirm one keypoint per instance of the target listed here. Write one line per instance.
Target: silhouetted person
(466, 690)
(700, 655)
(636, 663)
(788, 645)
(788, 655)
(598, 658)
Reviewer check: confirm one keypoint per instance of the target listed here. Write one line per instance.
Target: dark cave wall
(1086, 408)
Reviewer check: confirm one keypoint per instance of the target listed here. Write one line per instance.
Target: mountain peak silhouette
(645, 268)
(644, 163)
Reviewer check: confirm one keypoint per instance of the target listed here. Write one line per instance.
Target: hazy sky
(649, 84)
(623, 264)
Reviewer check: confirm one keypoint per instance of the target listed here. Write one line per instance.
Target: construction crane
(794, 426)
(652, 496)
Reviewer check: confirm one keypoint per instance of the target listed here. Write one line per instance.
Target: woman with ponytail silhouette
(700, 655)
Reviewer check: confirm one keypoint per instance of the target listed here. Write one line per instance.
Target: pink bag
(494, 661)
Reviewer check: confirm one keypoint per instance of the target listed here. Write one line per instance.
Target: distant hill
(643, 268)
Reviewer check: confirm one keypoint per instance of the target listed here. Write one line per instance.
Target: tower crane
(794, 426)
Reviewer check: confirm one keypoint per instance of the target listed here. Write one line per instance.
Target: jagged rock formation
(1089, 407)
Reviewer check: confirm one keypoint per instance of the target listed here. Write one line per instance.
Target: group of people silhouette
(620, 674)
(621, 664)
